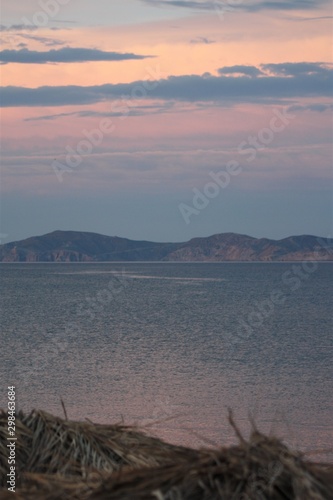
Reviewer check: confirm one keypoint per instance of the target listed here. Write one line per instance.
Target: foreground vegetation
(61, 459)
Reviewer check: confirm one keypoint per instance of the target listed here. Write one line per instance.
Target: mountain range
(77, 246)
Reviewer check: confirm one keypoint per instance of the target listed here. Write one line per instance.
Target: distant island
(77, 246)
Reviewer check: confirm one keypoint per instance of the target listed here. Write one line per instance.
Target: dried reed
(61, 459)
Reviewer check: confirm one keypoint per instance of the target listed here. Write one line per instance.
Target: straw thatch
(262, 468)
(61, 459)
(48, 444)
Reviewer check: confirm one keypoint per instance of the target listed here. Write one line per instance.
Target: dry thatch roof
(48, 444)
(61, 459)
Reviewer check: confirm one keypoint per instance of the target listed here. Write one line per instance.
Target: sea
(175, 347)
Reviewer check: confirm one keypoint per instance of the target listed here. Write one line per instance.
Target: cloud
(112, 169)
(202, 39)
(33, 27)
(64, 55)
(48, 42)
(294, 69)
(285, 81)
(137, 111)
(18, 27)
(248, 6)
(316, 107)
(242, 70)
(311, 18)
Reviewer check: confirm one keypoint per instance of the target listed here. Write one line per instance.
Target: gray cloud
(240, 69)
(64, 55)
(137, 111)
(48, 42)
(33, 27)
(18, 27)
(316, 107)
(248, 6)
(290, 81)
(311, 18)
(294, 69)
(203, 40)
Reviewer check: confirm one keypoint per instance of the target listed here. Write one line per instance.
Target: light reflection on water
(157, 349)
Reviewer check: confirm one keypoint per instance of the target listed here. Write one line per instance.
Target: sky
(165, 120)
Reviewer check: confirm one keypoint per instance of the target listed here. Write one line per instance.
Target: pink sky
(167, 138)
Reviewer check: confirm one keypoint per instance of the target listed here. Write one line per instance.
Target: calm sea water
(172, 346)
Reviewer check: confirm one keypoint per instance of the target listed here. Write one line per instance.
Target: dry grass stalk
(47, 444)
(262, 468)
(61, 459)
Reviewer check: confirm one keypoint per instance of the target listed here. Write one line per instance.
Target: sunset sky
(117, 116)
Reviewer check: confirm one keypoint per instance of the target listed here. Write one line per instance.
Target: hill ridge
(84, 246)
